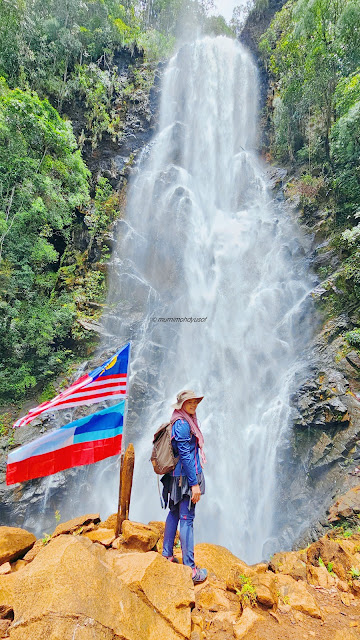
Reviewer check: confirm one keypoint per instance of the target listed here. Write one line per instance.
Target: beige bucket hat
(185, 395)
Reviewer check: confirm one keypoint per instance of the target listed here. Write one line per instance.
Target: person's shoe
(199, 575)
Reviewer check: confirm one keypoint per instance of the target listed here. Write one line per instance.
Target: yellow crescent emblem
(112, 363)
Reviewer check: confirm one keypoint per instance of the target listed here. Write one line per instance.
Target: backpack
(162, 456)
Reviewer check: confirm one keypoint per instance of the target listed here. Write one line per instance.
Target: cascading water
(202, 239)
(209, 282)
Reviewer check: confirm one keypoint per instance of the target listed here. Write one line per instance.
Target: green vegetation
(312, 51)
(43, 179)
(247, 593)
(60, 60)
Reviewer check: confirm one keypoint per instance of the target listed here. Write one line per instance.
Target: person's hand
(196, 493)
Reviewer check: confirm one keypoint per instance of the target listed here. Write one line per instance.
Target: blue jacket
(185, 445)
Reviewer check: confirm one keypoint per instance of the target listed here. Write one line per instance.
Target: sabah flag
(110, 380)
(84, 441)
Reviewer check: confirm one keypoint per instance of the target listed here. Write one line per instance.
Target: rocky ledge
(85, 583)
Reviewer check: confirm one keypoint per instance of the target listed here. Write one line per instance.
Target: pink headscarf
(194, 428)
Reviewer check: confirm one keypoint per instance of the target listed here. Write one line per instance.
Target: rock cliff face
(321, 461)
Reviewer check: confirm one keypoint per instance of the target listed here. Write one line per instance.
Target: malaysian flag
(110, 380)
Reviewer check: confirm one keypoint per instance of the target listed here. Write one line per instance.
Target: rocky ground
(85, 583)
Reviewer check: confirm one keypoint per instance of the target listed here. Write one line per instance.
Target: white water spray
(202, 239)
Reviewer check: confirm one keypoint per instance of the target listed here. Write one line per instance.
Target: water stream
(209, 282)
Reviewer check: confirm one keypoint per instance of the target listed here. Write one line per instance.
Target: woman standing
(184, 486)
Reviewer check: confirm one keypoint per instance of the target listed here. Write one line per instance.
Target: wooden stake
(126, 478)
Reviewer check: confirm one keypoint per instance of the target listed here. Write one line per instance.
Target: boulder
(320, 577)
(111, 522)
(218, 560)
(75, 524)
(247, 621)
(104, 536)
(293, 563)
(212, 598)
(296, 594)
(235, 573)
(139, 536)
(266, 589)
(166, 587)
(14, 543)
(67, 592)
(30, 555)
(345, 506)
(334, 552)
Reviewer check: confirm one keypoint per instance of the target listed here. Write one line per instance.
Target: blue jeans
(180, 511)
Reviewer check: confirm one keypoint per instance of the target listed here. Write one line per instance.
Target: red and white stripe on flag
(110, 380)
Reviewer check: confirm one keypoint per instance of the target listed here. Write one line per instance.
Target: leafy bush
(43, 179)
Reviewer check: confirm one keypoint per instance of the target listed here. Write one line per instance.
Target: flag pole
(127, 461)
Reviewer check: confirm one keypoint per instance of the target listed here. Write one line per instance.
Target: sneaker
(199, 575)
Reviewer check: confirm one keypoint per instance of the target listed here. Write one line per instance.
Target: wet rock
(354, 359)
(14, 543)
(346, 506)
(139, 536)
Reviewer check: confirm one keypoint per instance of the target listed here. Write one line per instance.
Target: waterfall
(209, 282)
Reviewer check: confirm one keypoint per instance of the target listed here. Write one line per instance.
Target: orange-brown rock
(213, 598)
(334, 552)
(346, 634)
(19, 564)
(110, 523)
(139, 536)
(7, 590)
(166, 587)
(346, 506)
(67, 592)
(247, 621)
(6, 612)
(14, 543)
(293, 563)
(4, 625)
(234, 576)
(104, 536)
(217, 560)
(356, 586)
(160, 528)
(73, 525)
(320, 576)
(30, 555)
(297, 595)
(266, 589)
(5, 568)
